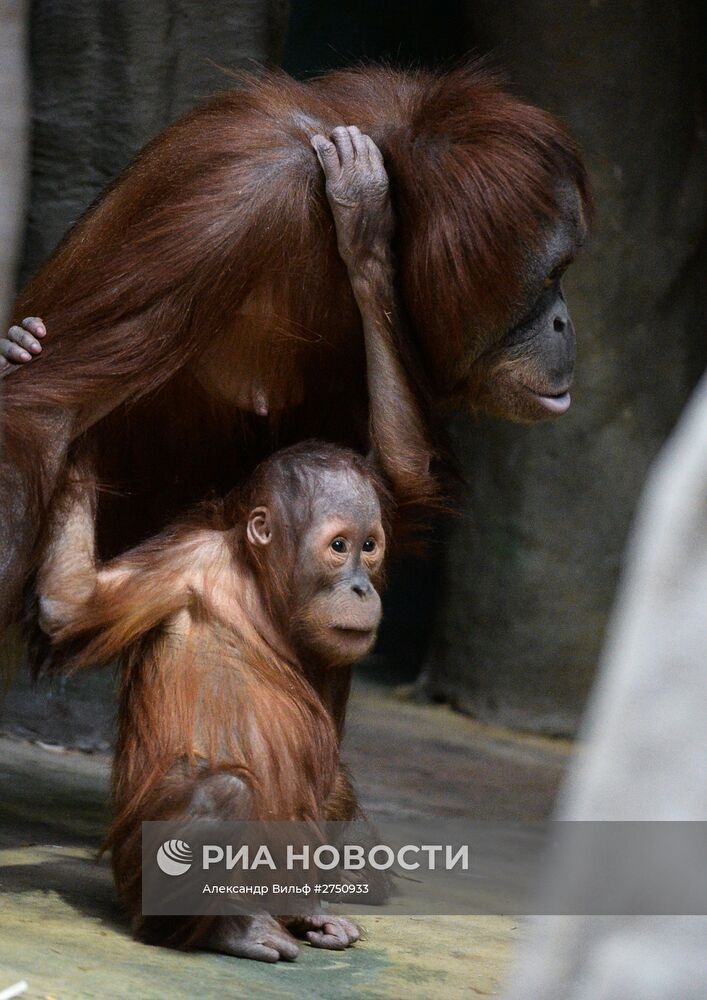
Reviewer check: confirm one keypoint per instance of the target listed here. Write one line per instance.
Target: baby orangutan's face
(335, 607)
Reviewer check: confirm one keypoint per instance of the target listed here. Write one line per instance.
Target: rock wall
(107, 76)
(14, 134)
(531, 566)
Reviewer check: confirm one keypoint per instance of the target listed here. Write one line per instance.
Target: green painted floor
(61, 930)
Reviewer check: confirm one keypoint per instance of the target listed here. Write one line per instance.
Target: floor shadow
(83, 883)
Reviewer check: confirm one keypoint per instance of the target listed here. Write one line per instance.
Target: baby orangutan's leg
(187, 794)
(220, 796)
(262, 937)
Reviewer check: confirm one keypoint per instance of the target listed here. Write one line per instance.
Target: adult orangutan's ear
(259, 531)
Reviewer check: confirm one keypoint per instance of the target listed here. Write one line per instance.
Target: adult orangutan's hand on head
(357, 190)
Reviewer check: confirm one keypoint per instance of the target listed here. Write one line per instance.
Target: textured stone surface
(107, 77)
(532, 564)
(78, 711)
(14, 133)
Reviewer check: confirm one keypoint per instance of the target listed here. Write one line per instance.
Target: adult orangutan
(200, 316)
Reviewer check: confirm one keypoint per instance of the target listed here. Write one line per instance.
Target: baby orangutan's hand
(21, 344)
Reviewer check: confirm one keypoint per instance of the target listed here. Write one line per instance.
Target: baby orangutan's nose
(362, 586)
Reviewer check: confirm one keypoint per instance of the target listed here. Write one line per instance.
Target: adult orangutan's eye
(369, 545)
(555, 274)
(339, 545)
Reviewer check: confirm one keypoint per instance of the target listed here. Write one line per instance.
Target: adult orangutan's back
(207, 281)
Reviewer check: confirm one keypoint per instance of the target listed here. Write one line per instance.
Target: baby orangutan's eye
(369, 545)
(339, 545)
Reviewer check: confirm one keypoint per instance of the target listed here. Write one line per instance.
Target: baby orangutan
(236, 631)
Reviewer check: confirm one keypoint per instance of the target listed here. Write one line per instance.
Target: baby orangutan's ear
(258, 530)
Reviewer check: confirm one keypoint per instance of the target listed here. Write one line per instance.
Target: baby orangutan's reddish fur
(231, 629)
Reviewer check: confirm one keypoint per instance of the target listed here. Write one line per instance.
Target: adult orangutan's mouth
(354, 633)
(557, 404)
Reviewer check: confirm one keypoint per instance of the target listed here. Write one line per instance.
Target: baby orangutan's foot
(324, 931)
(261, 938)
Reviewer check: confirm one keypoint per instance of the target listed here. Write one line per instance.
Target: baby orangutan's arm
(106, 606)
(21, 345)
(68, 576)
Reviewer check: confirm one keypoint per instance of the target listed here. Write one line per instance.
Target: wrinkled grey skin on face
(528, 372)
(338, 608)
(545, 335)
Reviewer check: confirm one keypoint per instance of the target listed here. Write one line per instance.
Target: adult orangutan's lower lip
(554, 404)
(354, 633)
